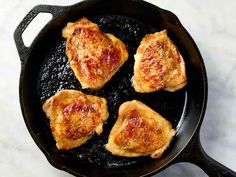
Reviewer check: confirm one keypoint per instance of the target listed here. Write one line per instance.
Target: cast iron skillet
(45, 71)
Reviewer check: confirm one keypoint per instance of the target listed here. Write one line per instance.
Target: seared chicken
(94, 56)
(139, 131)
(158, 65)
(75, 117)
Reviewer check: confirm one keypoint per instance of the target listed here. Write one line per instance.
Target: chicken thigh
(139, 131)
(94, 56)
(75, 117)
(158, 65)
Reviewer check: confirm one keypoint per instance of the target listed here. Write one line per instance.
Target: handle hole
(34, 27)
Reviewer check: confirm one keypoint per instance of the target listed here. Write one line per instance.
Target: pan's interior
(55, 75)
(47, 71)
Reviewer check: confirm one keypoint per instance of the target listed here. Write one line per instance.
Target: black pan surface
(55, 74)
(45, 71)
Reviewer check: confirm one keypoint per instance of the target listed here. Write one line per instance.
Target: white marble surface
(212, 24)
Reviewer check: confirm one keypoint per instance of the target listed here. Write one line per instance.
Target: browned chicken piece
(94, 56)
(75, 117)
(139, 131)
(158, 65)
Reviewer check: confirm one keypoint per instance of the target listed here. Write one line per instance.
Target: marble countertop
(211, 23)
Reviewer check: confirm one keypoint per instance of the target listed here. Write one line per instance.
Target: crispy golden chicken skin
(94, 56)
(139, 131)
(158, 65)
(75, 117)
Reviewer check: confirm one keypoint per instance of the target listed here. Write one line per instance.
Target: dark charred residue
(56, 75)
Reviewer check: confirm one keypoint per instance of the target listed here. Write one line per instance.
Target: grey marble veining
(212, 24)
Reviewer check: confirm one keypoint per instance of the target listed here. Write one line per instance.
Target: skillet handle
(194, 153)
(22, 49)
